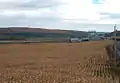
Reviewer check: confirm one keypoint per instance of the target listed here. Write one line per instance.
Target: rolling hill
(26, 32)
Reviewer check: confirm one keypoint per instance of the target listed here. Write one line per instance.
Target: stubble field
(55, 63)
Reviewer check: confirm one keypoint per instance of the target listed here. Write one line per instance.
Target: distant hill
(38, 32)
(101, 32)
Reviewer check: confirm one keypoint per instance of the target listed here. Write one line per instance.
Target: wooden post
(115, 45)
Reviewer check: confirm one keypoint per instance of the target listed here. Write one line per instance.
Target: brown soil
(55, 63)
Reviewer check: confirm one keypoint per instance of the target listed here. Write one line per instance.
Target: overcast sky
(83, 15)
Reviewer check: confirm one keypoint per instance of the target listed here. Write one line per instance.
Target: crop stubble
(55, 63)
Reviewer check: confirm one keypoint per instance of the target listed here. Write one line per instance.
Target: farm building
(74, 40)
(96, 38)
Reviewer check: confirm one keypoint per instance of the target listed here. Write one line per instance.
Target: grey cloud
(19, 20)
(21, 17)
(52, 23)
(104, 13)
(76, 19)
(115, 16)
(112, 15)
(33, 4)
(44, 19)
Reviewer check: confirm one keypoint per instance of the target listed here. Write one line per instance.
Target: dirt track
(55, 63)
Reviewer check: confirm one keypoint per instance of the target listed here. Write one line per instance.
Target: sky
(82, 15)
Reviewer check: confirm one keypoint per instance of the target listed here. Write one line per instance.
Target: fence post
(115, 46)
